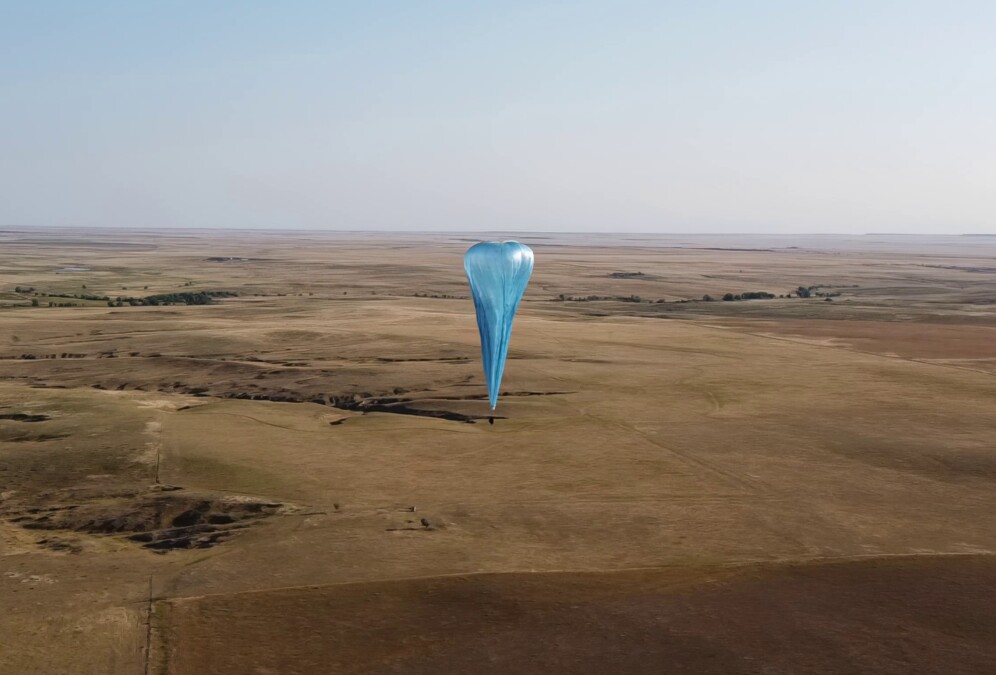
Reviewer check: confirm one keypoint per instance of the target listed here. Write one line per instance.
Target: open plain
(299, 476)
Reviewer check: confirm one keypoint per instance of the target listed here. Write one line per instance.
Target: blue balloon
(498, 273)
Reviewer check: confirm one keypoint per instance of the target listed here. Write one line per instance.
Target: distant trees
(591, 298)
(811, 291)
(801, 292)
(182, 298)
(438, 296)
(34, 302)
(748, 295)
(76, 296)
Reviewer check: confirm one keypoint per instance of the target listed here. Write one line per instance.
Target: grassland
(297, 479)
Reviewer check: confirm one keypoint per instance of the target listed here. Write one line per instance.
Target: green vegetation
(438, 296)
(75, 296)
(801, 292)
(811, 291)
(590, 298)
(64, 299)
(750, 295)
(182, 298)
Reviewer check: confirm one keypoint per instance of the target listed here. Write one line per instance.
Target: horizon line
(222, 228)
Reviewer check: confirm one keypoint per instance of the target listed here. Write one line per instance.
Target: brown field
(790, 485)
(878, 616)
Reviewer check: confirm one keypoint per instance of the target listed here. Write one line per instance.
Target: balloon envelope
(498, 273)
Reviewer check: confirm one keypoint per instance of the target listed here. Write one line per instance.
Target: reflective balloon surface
(498, 273)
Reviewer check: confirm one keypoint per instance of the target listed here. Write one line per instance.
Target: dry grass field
(300, 478)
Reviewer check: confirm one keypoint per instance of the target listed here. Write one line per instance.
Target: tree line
(183, 298)
(180, 298)
(800, 292)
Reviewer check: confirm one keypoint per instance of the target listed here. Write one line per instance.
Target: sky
(623, 116)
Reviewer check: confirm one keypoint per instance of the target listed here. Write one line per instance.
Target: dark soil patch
(632, 275)
(162, 520)
(35, 438)
(24, 417)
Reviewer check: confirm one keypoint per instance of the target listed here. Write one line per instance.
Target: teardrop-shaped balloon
(498, 273)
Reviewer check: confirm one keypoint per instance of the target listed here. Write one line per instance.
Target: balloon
(498, 273)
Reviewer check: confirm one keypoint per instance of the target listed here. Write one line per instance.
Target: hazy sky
(697, 116)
